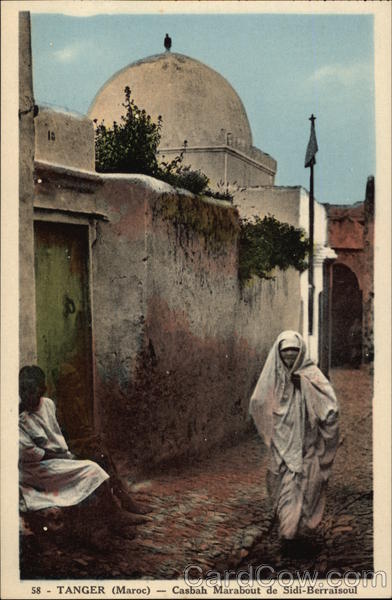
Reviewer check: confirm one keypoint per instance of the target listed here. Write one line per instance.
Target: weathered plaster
(281, 202)
(27, 335)
(64, 138)
(351, 235)
(178, 345)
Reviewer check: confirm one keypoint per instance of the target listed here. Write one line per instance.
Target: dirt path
(215, 514)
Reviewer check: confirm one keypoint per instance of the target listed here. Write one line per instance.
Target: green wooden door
(64, 322)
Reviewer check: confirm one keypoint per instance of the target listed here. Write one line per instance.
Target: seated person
(50, 476)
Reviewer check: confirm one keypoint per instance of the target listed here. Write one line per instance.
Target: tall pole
(311, 240)
(310, 161)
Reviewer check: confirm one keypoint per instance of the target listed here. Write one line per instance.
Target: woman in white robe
(296, 412)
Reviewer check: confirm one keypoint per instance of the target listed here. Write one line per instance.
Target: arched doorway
(346, 318)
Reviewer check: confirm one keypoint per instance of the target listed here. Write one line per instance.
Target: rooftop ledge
(55, 168)
(233, 150)
(88, 181)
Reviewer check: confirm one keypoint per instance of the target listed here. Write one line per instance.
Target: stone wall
(346, 237)
(178, 345)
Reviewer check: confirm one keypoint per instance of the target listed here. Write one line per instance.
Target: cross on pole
(312, 119)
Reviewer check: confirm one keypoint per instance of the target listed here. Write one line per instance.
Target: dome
(197, 104)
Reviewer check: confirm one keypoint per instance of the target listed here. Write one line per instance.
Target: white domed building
(198, 106)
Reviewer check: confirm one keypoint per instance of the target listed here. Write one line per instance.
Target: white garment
(300, 428)
(54, 482)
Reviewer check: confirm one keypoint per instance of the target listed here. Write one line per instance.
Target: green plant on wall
(266, 244)
(131, 146)
(181, 176)
(215, 223)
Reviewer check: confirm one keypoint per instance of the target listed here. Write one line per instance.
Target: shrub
(266, 244)
(130, 146)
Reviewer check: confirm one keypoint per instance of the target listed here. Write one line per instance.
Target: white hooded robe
(299, 426)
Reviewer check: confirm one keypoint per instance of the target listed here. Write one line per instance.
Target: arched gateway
(346, 317)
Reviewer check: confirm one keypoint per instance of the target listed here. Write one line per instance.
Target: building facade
(351, 235)
(197, 105)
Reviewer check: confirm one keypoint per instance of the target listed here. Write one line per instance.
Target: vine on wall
(215, 223)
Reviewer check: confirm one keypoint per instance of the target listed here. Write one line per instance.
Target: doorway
(346, 318)
(64, 344)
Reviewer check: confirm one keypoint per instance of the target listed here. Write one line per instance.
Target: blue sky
(284, 67)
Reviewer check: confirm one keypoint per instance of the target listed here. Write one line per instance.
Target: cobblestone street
(215, 514)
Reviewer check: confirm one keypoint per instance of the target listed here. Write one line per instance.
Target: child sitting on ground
(50, 475)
